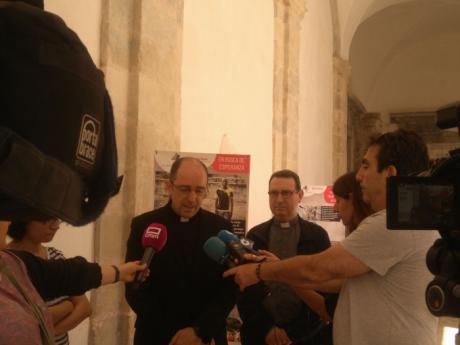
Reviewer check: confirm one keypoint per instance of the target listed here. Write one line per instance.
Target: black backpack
(58, 155)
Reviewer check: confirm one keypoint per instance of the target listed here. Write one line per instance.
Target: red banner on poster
(231, 164)
(329, 195)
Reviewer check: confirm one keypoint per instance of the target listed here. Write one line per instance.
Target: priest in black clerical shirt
(185, 300)
(286, 315)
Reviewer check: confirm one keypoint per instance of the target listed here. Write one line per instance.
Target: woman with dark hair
(16, 230)
(66, 311)
(349, 201)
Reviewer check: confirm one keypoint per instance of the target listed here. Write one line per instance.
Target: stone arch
(359, 10)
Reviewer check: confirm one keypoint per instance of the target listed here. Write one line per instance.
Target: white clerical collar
(184, 220)
(286, 224)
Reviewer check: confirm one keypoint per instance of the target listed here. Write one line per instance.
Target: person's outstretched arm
(75, 276)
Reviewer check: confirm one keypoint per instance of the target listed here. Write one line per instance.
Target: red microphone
(153, 240)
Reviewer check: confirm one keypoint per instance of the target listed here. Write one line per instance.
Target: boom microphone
(153, 240)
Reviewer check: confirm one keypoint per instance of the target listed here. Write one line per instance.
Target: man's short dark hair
(178, 162)
(286, 173)
(403, 149)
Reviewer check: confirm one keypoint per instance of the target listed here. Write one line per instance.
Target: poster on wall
(317, 206)
(228, 184)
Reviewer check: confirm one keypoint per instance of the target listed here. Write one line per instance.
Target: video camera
(431, 200)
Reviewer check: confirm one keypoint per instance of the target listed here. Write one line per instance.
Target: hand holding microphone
(153, 240)
(125, 272)
(231, 254)
(129, 270)
(240, 249)
(226, 249)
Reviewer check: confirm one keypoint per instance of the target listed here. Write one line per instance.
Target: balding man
(185, 301)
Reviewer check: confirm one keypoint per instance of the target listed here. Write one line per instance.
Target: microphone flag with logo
(153, 240)
(236, 246)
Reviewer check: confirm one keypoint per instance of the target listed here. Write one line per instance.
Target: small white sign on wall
(317, 206)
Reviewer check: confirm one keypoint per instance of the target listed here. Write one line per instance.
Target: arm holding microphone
(74, 276)
(310, 271)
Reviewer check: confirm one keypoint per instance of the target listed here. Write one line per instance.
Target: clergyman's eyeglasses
(186, 190)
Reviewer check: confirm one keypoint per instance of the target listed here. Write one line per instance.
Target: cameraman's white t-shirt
(386, 306)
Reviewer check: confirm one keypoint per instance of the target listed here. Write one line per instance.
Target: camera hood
(58, 156)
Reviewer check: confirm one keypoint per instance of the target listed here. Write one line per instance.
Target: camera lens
(435, 298)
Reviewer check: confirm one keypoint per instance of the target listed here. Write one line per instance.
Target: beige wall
(315, 120)
(83, 17)
(227, 86)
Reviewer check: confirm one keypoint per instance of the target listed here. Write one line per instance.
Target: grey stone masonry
(341, 77)
(288, 16)
(141, 55)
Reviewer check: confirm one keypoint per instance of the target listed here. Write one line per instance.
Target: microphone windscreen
(227, 236)
(155, 236)
(216, 249)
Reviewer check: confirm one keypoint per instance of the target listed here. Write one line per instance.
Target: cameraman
(381, 274)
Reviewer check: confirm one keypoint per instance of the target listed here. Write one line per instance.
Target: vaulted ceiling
(405, 55)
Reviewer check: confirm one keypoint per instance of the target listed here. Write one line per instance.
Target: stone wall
(439, 142)
(141, 59)
(288, 16)
(341, 75)
(364, 126)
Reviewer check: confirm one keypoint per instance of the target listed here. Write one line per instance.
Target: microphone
(218, 252)
(236, 246)
(153, 240)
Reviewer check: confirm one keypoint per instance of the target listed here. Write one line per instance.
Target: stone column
(366, 125)
(288, 17)
(141, 49)
(341, 77)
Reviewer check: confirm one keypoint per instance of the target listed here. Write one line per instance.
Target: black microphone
(153, 240)
(237, 247)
